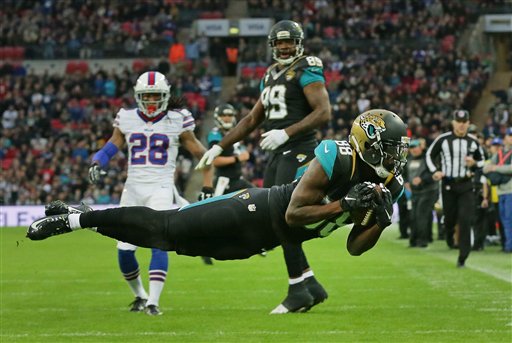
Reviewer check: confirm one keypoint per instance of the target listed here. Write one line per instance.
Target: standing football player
(152, 132)
(293, 104)
(228, 165)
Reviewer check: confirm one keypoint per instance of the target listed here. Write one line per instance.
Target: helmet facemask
(290, 31)
(221, 113)
(385, 157)
(293, 53)
(152, 93)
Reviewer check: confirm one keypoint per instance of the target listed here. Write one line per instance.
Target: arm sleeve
(432, 153)
(310, 75)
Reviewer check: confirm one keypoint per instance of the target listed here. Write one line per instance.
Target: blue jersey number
(152, 149)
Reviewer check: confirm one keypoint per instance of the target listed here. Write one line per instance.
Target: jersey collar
(154, 119)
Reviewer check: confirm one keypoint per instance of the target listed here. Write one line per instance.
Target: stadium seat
(82, 67)
(260, 71)
(18, 52)
(8, 52)
(247, 72)
(139, 65)
(70, 67)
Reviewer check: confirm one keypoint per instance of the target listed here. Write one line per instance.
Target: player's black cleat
(152, 310)
(60, 207)
(298, 300)
(138, 305)
(316, 289)
(48, 226)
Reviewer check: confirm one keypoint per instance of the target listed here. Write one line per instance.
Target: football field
(69, 289)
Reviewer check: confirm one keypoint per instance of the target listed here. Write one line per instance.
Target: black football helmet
(286, 29)
(225, 110)
(380, 139)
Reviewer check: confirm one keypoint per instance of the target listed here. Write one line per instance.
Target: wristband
(105, 154)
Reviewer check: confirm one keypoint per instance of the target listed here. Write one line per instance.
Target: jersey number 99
(274, 102)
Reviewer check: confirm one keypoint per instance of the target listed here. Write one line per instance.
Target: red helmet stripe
(151, 78)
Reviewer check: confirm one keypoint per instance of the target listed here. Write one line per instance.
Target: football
(364, 216)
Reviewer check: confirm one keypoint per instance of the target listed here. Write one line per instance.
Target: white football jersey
(153, 143)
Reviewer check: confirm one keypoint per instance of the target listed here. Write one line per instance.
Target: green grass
(68, 288)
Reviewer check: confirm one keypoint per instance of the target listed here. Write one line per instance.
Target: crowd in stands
(99, 29)
(52, 123)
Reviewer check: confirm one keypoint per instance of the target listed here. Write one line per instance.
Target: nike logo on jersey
(350, 199)
(286, 152)
(325, 149)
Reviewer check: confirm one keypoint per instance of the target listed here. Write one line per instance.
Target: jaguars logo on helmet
(289, 30)
(225, 116)
(380, 139)
(372, 124)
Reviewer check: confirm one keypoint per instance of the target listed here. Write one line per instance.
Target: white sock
(155, 290)
(295, 281)
(307, 274)
(137, 288)
(74, 221)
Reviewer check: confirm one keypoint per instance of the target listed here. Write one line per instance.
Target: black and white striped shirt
(453, 150)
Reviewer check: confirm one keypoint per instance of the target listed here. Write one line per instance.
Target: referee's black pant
(458, 208)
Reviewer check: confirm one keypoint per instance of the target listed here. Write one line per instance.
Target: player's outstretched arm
(306, 205)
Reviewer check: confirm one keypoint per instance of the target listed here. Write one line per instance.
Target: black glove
(383, 208)
(95, 174)
(359, 196)
(206, 193)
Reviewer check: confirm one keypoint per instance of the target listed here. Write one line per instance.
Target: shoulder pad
(335, 158)
(182, 111)
(306, 62)
(214, 135)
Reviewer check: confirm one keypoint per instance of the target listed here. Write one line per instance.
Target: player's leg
(450, 214)
(232, 226)
(126, 258)
(160, 197)
(302, 293)
(140, 226)
(129, 267)
(465, 201)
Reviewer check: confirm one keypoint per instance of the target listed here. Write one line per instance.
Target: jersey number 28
(152, 148)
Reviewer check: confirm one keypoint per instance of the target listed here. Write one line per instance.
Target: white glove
(273, 139)
(209, 156)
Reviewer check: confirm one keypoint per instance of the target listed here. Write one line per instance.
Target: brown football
(364, 216)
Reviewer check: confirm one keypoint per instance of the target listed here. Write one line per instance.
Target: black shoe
(207, 260)
(298, 300)
(60, 207)
(152, 310)
(138, 305)
(316, 289)
(48, 226)
(461, 263)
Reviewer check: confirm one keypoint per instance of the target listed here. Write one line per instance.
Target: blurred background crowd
(405, 56)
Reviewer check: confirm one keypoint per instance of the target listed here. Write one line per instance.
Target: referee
(451, 158)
